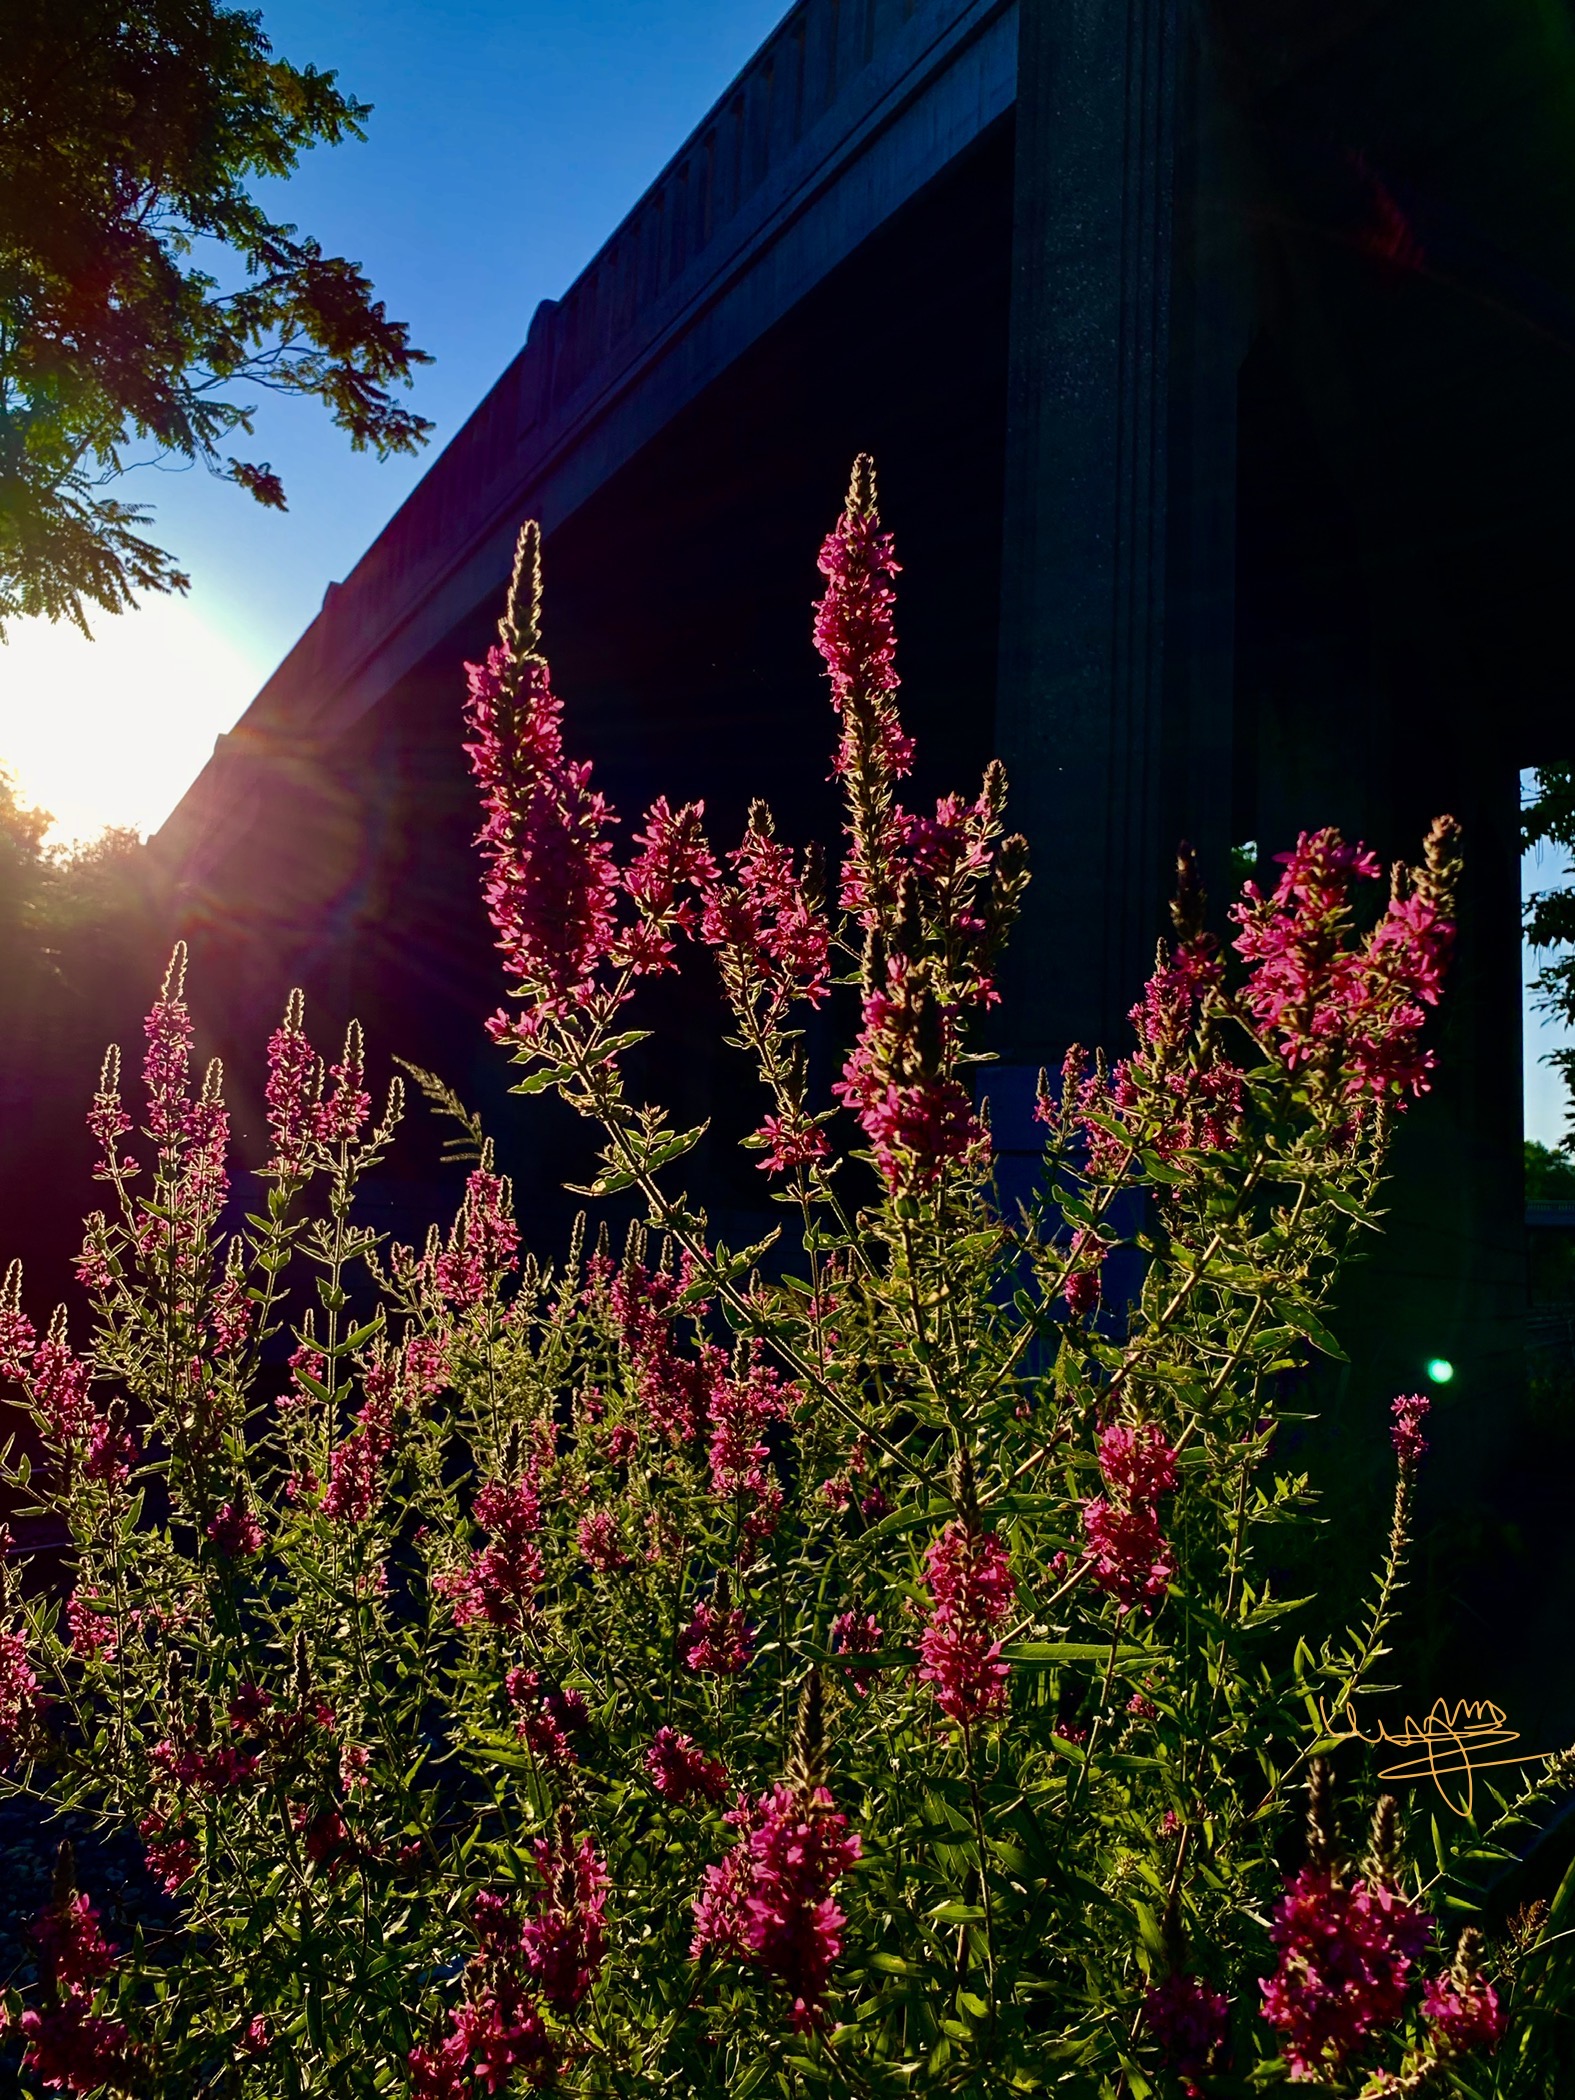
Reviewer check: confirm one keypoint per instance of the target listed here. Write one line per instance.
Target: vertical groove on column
(1083, 595)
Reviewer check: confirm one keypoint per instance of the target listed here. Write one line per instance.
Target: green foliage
(1548, 819)
(142, 284)
(1550, 1175)
(63, 911)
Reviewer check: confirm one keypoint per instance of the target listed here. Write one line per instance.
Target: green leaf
(675, 1147)
(877, 1659)
(1043, 1654)
(538, 1082)
(1304, 1321)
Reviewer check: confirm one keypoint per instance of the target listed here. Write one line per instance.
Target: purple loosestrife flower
(21, 1704)
(291, 1092)
(549, 1717)
(741, 1410)
(71, 2048)
(499, 2029)
(1188, 2021)
(717, 1642)
(564, 1938)
(1329, 1001)
(1410, 1411)
(1346, 1955)
(341, 1117)
(498, 1583)
(236, 1532)
(969, 1577)
(674, 859)
(1126, 1552)
(857, 1633)
(551, 888)
(1464, 2014)
(856, 636)
(772, 936)
(108, 1121)
(769, 1902)
(678, 1767)
(92, 1629)
(672, 1388)
(484, 1244)
(600, 1542)
(166, 1061)
(919, 1119)
(1082, 1286)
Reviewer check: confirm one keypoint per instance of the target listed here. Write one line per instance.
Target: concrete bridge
(1217, 359)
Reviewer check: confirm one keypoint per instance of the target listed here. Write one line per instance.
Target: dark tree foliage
(143, 288)
(1549, 820)
(80, 930)
(1550, 1175)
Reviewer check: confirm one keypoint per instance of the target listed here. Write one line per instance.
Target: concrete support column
(1080, 707)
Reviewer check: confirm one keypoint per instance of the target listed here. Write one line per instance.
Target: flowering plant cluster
(851, 1663)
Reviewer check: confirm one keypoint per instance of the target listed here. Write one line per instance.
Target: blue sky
(508, 139)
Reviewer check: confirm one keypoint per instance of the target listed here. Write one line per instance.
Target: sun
(113, 731)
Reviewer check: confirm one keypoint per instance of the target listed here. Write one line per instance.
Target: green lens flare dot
(1440, 1370)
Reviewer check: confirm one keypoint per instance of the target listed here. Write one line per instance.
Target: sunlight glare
(114, 730)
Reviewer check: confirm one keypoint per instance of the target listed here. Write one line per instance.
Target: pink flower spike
(1464, 2014)
(769, 1901)
(236, 1532)
(969, 1577)
(1346, 1955)
(551, 889)
(294, 1084)
(857, 1633)
(1188, 2021)
(678, 1767)
(1410, 1411)
(564, 1940)
(717, 1642)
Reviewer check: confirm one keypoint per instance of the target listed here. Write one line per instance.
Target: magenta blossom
(1126, 1551)
(70, 2047)
(551, 888)
(857, 1633)
(741, 1411)
(969, 1578)
(600, 1542)
(678, 1767)
(1330, 1000)
(769, 1901)
(1346, 1956)
(21, 1703)
(549, 1717)
(292, 1092)
(498, 2030)
(919, 1120)
(236, 1532)
(717, 1641)
(483, 1245)
(1188, 2021)
(499, 1583)
(564, 1938)
(1464, 2014)
(1410, 1411)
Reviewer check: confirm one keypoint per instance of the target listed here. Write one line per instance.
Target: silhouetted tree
(131, 133)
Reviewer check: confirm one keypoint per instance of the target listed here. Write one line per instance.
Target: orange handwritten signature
(1446, 1744)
